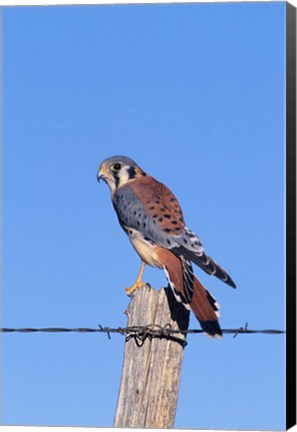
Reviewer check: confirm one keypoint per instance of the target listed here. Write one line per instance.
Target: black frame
(291, 215)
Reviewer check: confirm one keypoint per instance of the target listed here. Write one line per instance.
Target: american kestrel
(151, 216)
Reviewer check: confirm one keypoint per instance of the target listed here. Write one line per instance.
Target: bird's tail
(194, 296)
(206, 309)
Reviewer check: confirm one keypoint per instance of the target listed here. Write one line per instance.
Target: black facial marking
(117, 179)
(131, 172)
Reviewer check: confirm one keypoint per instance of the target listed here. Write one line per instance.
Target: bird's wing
(205, 262)
(151, 208)
(145, 206)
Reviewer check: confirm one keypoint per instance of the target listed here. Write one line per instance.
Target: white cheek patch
(111, 183)
(123, 176)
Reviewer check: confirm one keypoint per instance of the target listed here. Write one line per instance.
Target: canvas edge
(290, 215)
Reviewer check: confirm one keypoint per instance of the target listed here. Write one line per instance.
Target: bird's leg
(138, 283)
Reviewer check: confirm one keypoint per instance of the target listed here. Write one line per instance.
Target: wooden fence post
(152, 365)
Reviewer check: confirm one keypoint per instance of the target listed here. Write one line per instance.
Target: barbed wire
(139, 332)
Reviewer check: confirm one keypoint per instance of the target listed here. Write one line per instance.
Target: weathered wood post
(152, 365)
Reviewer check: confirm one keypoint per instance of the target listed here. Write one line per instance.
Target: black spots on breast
(148, 240)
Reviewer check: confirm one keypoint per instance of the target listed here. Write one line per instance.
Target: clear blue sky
(193, 93)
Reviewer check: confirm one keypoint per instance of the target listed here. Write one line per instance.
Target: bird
(152, 217)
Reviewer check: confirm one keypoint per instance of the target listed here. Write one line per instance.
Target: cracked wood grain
(151, 367)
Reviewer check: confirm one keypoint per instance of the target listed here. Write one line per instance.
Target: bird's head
(116, 171)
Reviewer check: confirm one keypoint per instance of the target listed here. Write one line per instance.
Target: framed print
(149, 216)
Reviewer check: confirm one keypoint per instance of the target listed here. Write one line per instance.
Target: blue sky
(193, 93)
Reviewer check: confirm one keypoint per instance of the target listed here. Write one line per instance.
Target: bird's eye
(116, 167)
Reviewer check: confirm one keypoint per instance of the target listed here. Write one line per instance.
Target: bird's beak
(100, 176)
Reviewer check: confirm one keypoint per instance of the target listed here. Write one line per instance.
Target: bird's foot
(135, 286)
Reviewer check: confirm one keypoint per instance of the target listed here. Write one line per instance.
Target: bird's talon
(133, 288)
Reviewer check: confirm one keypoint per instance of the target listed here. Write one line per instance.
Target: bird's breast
(145, 248)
